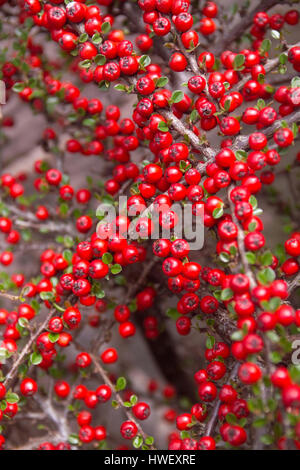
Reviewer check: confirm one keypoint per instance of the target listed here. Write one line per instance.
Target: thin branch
(108, 382)
(294, 283)
(239, 29)
(212, 420)
(26, 350)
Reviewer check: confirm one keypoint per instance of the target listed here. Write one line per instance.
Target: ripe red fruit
(178, 62)
(249, 373)
(141, 410)
(206, 443)
(62, 389)
(2, 391)
(291, 396)
(207, 26)
(128, 430)
(28, 387)
(86, 434)
(207, 391)
(109, 356)
(103, 393)
(72, 317)
(284, 137)
(183, 421)
(280, 377)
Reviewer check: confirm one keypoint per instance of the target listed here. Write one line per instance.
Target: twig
(26, 350)
(211, 423)
(108, 382)
(294, 283)
(13, 298)
(238, 30)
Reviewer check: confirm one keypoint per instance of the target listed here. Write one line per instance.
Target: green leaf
(283, 58)
(133, 400)
(267, 258)
(105, 27)
(53, 337)
(173, 313)
(224, 257)
(11, 397)
(23, 322)
(274, 303)
(261, 78)
(116, 269)
(275, 34)
(251, 257)
(260, 104)
(18, 87)
(89, 122)
(237, 335)
(149, 440)
(96, 38)
(83, 37)
(210, 341)
(227, 104)
(266, 276)
(127, 404)
(36, 358)
(194, 115)
(161, 82)
(68, 241)
(144, 61)
(242, 422)
(252, 227)
(295, 373)
(35, 305)
(137, 441)
(177, 96)
(253, 201)
(162, 126)
(231, 418)
(58, 307)
(120, 87)
(121, 384)
(265, 46)
(275, 357)
(47, 295)
(259, 422)
(239, 61)
(295, 129)
(266, 439)
(100, 59)
(273, 336)
(73, 439)
(241, 155)
(67, 254)
(218, 212)
(184, 166)
(97, 291)
(85, 64)
(107, 258)
(233, 250)
(120, 280)
(295, 82)
(4, 354)
(226, 294)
